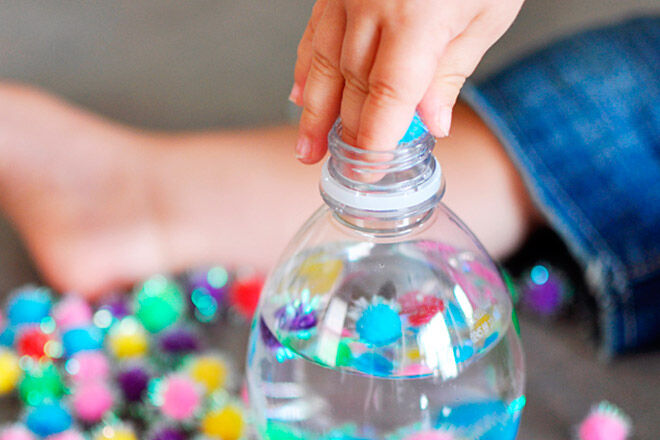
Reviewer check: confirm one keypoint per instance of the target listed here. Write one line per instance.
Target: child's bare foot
(74, 187)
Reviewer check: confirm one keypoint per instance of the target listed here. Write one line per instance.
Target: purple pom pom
(133, 382)
(167, 434)
(179, 341)
(267, 336)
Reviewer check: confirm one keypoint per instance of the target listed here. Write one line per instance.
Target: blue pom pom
(373, 364)
(417, 129)
(7, 337)
(379, 325)
(48, 419)
(82, 339)
(28, 306)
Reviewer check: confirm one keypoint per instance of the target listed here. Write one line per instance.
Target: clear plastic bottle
(385, 317)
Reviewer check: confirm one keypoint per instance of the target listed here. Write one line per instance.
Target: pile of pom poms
(133, 367)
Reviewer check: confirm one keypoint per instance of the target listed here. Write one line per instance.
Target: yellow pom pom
(10, 371)
(128, 339)
(224, 424)
(321, 274)
(115, 433)
(210, 371)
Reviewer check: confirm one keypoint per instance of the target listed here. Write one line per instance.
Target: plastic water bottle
(385, 317)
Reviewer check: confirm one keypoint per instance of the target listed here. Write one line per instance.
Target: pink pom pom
(16, 432)
(431, 435)
(72, 311)
(88, 366)
(605, 422)
(91, 400)
(67, 435)
(181, 397)
(416, 370)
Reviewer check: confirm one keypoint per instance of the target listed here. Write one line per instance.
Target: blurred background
(167, 64)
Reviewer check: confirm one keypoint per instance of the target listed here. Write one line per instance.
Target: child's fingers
(323, 86)
(357, 57)
(304, 55)
(456, 64)
(401, 74)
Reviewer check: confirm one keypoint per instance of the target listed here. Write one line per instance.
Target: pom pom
(178, 396)
(10, 371)
(379, 325)
(605, 422)
(209, 370)
(71, 434)
(133, 381)
(88, 366)
(546, 292)
(91, 401)
(167, 433)
(415, 130)
(80, 339)
(374, 364)
(208, 290)
(48, 419)
(41, 382)
(16, 432)
(225, 424)
(29, 305)
(179, 341)
(419, 308)
(245, 293)
(127, 339)
(33, 342)
(431, 435)
(320, 273)
(159, 303)
(115, 432)
(72, 311)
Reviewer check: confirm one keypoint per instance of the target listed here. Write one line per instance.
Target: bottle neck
(381, 190)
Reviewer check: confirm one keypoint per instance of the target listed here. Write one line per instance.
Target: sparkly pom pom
(10, 371)
(34, 342)
(71, 434)
(210, 370)
(115, 432)
(179, 341)
(245, 293)
(379, 325)
(48, 419)
(159, 303)
(133, 381)
(80, 339)
(178, 397)
(605, 422)
(128, 339)
(166, 433)
(16, 432)
(91, 401)
(88, 366)
(72, 311)
(29, 305)
(431, 435)
(41, 382)
(227, 423)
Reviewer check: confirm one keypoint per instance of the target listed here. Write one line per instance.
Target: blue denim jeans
(581, 121)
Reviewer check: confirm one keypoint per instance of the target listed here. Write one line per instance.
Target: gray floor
(564, 375)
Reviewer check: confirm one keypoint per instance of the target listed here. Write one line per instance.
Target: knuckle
(383, 92)
(325, 66)
(354, 82)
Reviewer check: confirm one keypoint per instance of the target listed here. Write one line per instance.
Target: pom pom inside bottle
(385, 324)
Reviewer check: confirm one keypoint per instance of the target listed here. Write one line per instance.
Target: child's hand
(376, 61)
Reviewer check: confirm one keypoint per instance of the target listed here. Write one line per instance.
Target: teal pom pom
(379, 325)
(416, 130)
(82, 339)
(373, 364)
(48, 419)
(29, 305)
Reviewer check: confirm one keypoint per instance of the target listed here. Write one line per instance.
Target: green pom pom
(344, 355)
(41, 383)
(159, 303)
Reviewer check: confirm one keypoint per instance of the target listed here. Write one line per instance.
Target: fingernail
(444, 120)
(296, 94)
(303, 147)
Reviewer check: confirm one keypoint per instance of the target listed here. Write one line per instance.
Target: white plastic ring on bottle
(381, 201)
